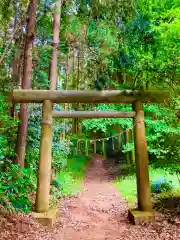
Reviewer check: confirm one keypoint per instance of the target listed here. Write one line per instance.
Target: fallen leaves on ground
(99, 212)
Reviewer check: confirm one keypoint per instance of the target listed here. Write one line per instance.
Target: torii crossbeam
(88, 96)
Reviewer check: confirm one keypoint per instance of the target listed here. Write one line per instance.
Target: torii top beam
(88, 96)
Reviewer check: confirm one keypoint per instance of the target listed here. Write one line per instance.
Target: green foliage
(161, 185)
(163, 136)
(126, 184)
(162, 132)
(33, 136)
(66, 185)
(69, 179)
(106, 125)
(168, 201)
(60, 149)
(8, 128)
(60, 153)
(77, 166)
(42, 57)
(16, 186)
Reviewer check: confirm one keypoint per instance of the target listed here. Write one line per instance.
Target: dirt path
(99, 212)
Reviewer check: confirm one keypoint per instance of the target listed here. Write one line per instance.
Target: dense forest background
(104, 45)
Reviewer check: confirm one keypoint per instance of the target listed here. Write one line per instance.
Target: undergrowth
(127, 184)
(69, 179)
(18, 185)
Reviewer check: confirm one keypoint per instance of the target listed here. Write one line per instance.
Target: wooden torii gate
(136, 98)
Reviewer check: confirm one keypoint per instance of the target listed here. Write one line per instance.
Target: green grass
(77, 166)
(127, 185)
(71, 177)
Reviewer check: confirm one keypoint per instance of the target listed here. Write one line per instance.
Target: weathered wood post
(128, 160)
(119, 141)
(141, 158)
(103, 148)
(44, 173)
(95, 150)
(133, 152)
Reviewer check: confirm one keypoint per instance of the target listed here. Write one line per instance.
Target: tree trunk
(66, 88)
(17, 49)
(56, 30)
(26, 83)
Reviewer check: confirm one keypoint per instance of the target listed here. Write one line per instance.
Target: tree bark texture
(26, 83)
(55, 43)
(66, 88)
(141, 155)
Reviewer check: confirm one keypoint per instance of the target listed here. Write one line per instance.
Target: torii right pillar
(144, 212)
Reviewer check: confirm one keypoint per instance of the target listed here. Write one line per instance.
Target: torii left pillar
(44, 171)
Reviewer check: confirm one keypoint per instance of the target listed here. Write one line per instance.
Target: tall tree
(55, 43)
(26, 82)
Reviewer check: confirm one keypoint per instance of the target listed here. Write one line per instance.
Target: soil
(98, 212)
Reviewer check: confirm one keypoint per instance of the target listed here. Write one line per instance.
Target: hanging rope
(94, 141)
(105, 138)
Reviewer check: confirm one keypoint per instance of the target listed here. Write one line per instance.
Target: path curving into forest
(97, 213)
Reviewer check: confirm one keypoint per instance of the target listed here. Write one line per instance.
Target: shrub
(8, 128)
(16, 184)
(60, 151)
(168, 201)
(161, 185)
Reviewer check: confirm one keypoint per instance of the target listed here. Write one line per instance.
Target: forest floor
(98, 212)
